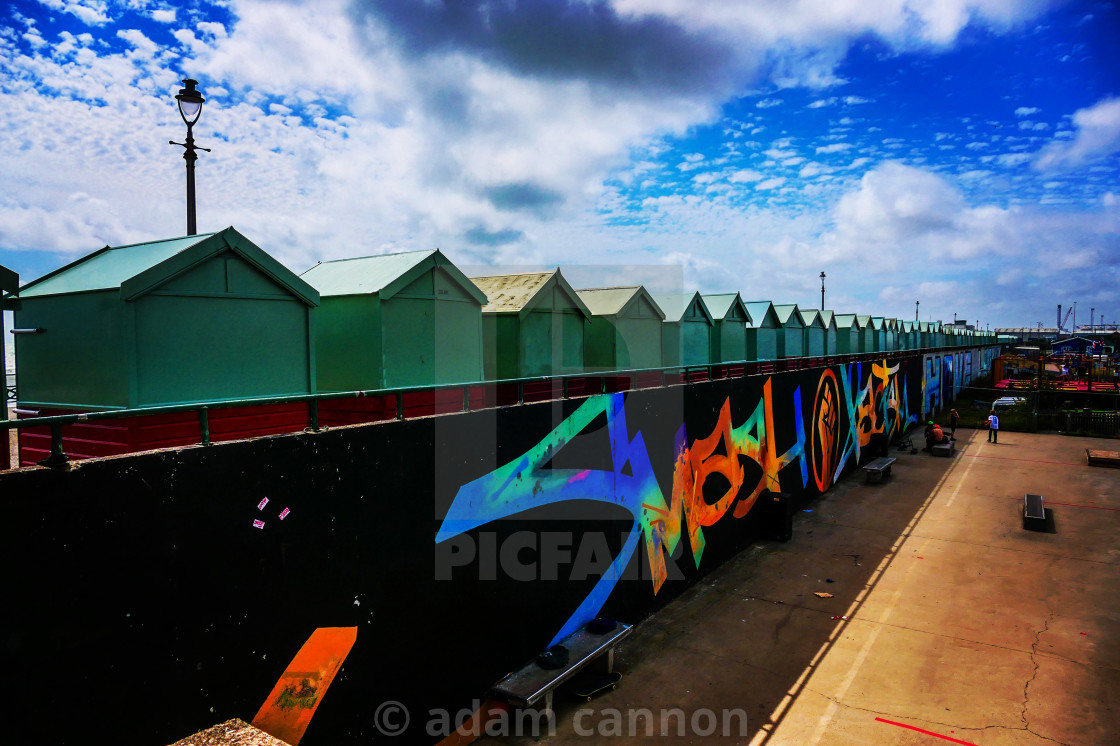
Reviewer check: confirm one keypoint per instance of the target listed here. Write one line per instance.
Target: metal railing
(561, 385)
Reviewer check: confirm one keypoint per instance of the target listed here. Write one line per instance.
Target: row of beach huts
(214, 317)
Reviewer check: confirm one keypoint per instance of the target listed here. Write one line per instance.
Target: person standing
(954, 417)
(993, 427)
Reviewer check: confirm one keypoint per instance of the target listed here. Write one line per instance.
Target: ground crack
(927, 721)
(1034, 651)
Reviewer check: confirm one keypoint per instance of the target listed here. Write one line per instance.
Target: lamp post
(822, 291)
(916, 304)
(190, 108)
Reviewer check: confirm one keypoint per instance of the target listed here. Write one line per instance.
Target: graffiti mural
(987, 355)
(878, 407)
(754, 440)
(864, 403)
(931, 384)
(947, 379)
(524, 483)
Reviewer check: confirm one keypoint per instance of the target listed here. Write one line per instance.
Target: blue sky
(961, 153)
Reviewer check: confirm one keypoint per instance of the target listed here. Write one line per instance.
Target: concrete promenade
(962, 627)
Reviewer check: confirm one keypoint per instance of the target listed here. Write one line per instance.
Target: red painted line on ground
(655, 510)
(1032, 460)
(927, 732)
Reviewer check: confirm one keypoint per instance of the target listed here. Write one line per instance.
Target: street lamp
(190, 108)
(822, 290)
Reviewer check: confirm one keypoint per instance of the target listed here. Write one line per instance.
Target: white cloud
(822, 102)
(144, 46)
(853, 100)
(898, 212)
(770, 183)
(691, 162)
(32, 36)
(1026, 111)
(811, 169)
(902, 23)
(745, 175)
(836, 147)
(1013, 159)
(895, 202)
(768, 103)
(1097, 136)
(210, 28)
(89, 12)
(164, 16)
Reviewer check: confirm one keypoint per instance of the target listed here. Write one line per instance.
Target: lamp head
(190, 102)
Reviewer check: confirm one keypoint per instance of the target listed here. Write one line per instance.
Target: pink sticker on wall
(257, 523)
(284, 513)
(262, 503)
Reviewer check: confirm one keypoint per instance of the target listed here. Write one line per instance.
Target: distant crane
(1062, 321)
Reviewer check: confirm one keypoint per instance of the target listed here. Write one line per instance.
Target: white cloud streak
(1097, 136)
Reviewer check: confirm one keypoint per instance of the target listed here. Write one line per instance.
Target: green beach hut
(687, 329)
(791, 340)
(395, 320)
(878, 324)
(532, 325)
(906, 335)
(624, 331)
(198, 318)
(763, 331)
(828, 318)
(866, 333)
(729, 331)
(847, 334)
(814, 334)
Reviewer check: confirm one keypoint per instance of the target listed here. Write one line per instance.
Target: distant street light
(822, 291)
(190, 108)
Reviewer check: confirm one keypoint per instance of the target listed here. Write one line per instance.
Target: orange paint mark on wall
(288, 709)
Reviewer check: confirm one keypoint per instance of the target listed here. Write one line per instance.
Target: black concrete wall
(143, 603)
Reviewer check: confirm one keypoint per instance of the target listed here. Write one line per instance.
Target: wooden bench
(1034, 513)
(531, 683)
(1102, 458)
(879, 468)
(945, 449)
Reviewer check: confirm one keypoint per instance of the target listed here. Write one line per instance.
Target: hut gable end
(647, 310)
(226, 275)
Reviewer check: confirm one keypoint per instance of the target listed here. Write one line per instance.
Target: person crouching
(934, 435)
